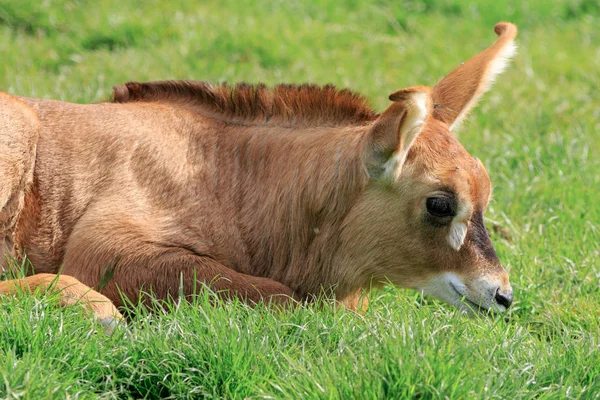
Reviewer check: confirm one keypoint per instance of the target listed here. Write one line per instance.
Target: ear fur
(395, 131)
(456, 94)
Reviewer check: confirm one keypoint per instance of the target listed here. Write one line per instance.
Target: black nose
(504, 299)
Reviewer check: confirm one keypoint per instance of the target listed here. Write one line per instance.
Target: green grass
(537, 131)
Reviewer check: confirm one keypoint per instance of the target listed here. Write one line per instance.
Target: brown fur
(266, 194)
(244, 104)
(468, 82)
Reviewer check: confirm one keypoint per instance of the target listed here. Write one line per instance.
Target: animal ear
(456, 94)
(395, 131)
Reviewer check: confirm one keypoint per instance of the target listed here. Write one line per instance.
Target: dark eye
(441, 206)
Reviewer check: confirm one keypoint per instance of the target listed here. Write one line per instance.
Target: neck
(292, 192)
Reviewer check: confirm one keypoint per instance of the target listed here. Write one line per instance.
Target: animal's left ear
(456, 94)
(395, 131)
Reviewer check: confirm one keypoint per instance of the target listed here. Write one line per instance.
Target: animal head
(421, 217)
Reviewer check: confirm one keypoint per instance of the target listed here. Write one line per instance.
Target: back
(127, 157)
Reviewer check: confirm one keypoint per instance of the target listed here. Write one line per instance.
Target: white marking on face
(478, 294)
(441, 287)
(458, 227)
(456, 236)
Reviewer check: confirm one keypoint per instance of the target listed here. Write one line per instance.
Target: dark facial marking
(478, 235)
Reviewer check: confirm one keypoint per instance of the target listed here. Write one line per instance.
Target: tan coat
(260, 193)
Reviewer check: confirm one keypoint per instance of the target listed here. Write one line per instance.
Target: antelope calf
(266, 194)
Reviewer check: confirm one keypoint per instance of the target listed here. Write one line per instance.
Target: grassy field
(537, 131)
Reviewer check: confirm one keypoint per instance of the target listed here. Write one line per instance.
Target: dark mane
(285, 105)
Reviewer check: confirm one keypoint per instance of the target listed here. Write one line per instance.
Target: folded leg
(116, 252)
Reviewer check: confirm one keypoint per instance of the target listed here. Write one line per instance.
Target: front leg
(162, 272)
(142, 259)
(71, 292)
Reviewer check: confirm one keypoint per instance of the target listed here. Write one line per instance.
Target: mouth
(470, 304)
(478, 298)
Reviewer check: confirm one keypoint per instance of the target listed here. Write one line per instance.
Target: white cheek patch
(458, 227)
(447, 287)
(456, 236)
(480, 291)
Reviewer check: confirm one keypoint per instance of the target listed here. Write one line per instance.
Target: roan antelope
(266, 194)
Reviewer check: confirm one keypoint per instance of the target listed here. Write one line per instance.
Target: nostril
(504, 299)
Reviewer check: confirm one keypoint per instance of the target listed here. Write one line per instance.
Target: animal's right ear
(395, 131)
(456, 94)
